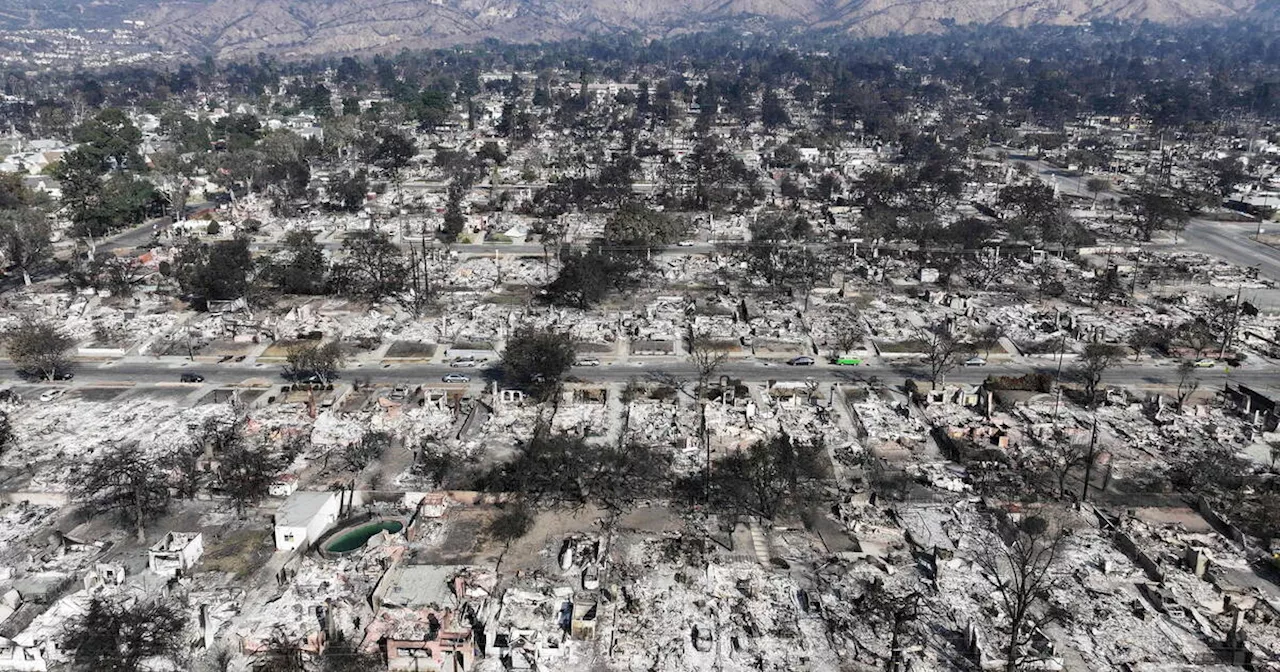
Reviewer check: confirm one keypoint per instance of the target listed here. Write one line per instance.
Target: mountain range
(231, 28)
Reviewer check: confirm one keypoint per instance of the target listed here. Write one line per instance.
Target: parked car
(50, 395)
(589, 361)
(848, 361)
(975, 361)
(591, 576)
(803, 360)
(464, 362)
(191, 378)
(399, 393)
(702, 638)
(456, 378)
(1204, 363)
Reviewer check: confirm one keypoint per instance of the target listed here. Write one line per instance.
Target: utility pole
(1232, 322)
(1089, 458)
(1057, 378)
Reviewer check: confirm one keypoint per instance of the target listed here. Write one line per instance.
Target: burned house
(176, 554)
(426, 614)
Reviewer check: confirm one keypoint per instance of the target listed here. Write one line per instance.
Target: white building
(304, 517)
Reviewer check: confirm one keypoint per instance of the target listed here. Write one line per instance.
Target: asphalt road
(1233, 242)
(168, 371)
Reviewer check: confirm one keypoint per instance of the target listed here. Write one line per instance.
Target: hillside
(312, 27)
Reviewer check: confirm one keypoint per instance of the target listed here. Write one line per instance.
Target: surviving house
(304, 517)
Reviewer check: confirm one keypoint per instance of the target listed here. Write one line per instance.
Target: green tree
(246, 472)
(217, 272)
(311, 358)
(116, 636)
(635, 225)
(7, 439)
(39, 347)
(237, 132)
(535, 360)
(1155, 212)
(563, 470)
(110, 139)
(373, 267)
(770, 477)
(348, 190)
(127, 481)
(25, 239)
(389, 150)
(1225, 174)
(454, 219)
(586, 277)
(14, 195)
(1097, 185)
(772, 112)
(1096, 359)
(301, 266)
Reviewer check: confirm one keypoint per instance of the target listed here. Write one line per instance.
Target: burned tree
(707, 360)
(1095, 361)
(1064, 454)
(420, 292)
(943, 352)
(1188, 383)
(1021, 569)
(369, 449)
(1223, 317)
(6, 433)
(849, 334)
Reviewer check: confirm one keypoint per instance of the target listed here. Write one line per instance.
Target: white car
(464, 362)
(590, 361)
(52, 394)
(456, 378)
(975, 361)
(399, 393)
(1204, 363)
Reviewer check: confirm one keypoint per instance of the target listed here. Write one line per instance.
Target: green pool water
(357, 536)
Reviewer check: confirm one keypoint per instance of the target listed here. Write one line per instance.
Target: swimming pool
(353, 538)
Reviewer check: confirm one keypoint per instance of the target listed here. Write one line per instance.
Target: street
(166, 371)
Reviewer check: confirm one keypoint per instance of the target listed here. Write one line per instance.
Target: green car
(849, 361)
